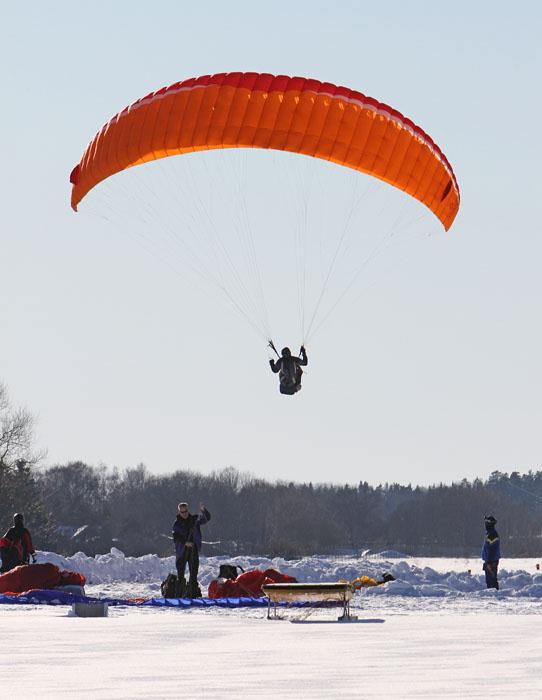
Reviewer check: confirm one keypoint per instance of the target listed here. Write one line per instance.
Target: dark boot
(194, 591)
(181, 588)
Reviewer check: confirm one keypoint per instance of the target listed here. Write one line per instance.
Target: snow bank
(414, 578)
(114, 566)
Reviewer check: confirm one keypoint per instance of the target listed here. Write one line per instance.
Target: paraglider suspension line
(272, 346)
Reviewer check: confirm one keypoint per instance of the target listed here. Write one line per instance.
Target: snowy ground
(138, 654)
(436, 631)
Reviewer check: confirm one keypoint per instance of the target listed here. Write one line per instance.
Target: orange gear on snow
(253, 110)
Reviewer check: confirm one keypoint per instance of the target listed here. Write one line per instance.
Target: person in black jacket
(289, 368)
(16, 546)
(187, 538)
(491, 552)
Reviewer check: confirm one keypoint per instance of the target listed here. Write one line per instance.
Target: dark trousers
(190, 555)
(491, 570)
(10, 559)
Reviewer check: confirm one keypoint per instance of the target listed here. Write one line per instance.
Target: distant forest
(78, 507)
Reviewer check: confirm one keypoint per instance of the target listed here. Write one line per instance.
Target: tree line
(77, 506)
(80, 507)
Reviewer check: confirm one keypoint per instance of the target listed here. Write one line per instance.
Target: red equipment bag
(32, 576)
(249, 584)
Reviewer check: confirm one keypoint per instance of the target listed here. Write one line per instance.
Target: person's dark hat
(490, 520)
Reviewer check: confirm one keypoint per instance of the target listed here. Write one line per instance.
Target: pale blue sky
(433, 375)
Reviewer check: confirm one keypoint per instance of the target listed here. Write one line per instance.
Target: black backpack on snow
(173, 588)
(229, 571)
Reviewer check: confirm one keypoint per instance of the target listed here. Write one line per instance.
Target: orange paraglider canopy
(253, 110)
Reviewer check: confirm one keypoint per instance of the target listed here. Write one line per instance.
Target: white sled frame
(316, 593)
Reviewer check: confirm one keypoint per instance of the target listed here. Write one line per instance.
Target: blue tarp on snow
(55, 597)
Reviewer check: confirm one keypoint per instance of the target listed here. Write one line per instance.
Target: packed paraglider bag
(37, 576)
(248, 584)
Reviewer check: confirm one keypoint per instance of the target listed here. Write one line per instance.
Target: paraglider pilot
(491, 552)
(16, 546)
(289, 368)
(187, 538)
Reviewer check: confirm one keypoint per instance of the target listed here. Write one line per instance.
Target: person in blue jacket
(491, 552)
(187, 538)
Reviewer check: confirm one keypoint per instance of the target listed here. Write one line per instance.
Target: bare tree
(16, 435)
(19, 489)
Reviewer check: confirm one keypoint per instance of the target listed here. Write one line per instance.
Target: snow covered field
(435, 631)
(233, 654)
